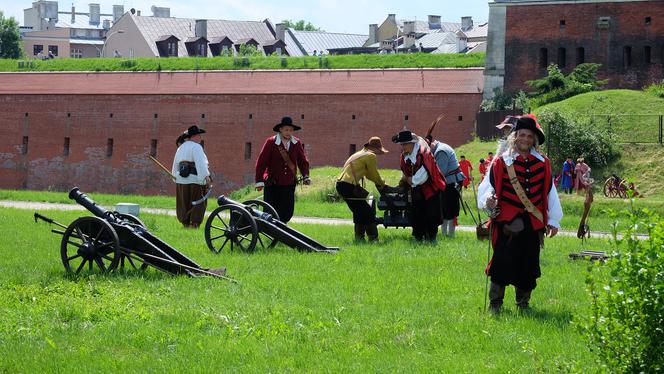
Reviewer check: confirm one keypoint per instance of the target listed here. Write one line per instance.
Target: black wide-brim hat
(194, 130)
(285, 121)
(529, 122)
(404, 137)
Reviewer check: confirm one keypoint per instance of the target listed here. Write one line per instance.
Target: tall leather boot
(372, 232)
(450, 228)
(359, 232)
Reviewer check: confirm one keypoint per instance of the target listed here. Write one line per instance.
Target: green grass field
(397, 306)
(372, 61)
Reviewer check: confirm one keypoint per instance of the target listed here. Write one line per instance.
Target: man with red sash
(519, 222)
(425, 181)
(276, 168)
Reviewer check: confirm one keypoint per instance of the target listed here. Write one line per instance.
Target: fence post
(661, 129)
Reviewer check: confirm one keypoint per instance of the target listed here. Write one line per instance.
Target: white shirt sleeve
(555, 210)
(201, 161)
(420, 176)
(485, 190)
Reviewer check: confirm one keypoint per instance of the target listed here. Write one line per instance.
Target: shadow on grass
(558, 318)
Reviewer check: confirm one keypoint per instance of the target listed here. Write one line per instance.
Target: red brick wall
(328, 129)
(532, 27)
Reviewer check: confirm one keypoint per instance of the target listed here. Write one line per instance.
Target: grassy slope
(393, 307)
(639, 162)
(410, 60)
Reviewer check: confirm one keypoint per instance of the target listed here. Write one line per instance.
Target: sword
(202, 199)
(162, 167)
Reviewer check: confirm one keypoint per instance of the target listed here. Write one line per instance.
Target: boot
(450, 228)
(522, 298)
(372, 232)
(496, 295)
(359, 232)
(443, 228)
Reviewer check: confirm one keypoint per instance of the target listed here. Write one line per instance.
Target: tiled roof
(422, 27)
(478, 31)
(254, 82)
(154, 27)
(310, 41)
(81, 22)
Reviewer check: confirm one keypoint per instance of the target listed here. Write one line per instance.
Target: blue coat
(567, 180)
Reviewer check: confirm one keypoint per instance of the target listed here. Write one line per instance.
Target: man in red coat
(425, 181)
(276, 168)
(519, 223)
(466, 168)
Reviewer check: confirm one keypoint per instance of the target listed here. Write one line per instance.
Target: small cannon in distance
(243, 225)
(108, 240)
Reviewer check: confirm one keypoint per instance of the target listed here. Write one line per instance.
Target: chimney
(118, 11)
(434, 22)
(466, 23)
(138, 13)
(408, 27)
(161, 12)
(73, 14)
(106, 24)
(94, 14)
(201, 28)
(392, 17)
(373, 33)
(280, 31)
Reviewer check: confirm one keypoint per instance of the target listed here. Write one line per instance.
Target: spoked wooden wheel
(622, 190)
(90, 242)
(608, 187)
(265, 240)
(231, 227)
(134, 262)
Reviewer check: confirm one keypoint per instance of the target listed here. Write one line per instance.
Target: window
(153, 148)
(647, 56)
(562, 23)
(24, 147)
(76, 53)
(580, 55)
(37, 48)
(353, 116)
(65, 151)
(405, 118)
(68, 115)
(460, 118)
(156, 115)
(202, 49)
(109, 147)
(53, 49)
(172, 49)
(352, 148)
(627, 56)
(247, 151)
(251, 116)
(203, 115)
(562, 57)
(648, 20)
(543, 58)
(302, 116)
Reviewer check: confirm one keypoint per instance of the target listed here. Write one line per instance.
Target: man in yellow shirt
(359, 165)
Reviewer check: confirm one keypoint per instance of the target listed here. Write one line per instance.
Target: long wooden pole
(162, 167)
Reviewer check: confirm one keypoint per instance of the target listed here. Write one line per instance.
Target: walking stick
(162, 167)
(488, 258)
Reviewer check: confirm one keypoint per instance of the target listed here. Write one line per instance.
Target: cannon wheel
(622, 190)
(230, 226)
(267, 241)
(136, 262)
(91, 241)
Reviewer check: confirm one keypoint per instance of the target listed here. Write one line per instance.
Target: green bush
(626, 325)
(656, 89)
(556, 86)
(569, 136)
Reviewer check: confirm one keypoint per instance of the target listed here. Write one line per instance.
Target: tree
(556, 86)
(10, 46)
(300, 25)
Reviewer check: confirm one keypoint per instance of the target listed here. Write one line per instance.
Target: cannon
(109, 240)
(396, 205)
(242, 226)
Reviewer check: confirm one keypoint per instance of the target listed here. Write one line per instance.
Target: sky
(349, 16)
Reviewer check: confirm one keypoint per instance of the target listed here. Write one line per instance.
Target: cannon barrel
(89, 204)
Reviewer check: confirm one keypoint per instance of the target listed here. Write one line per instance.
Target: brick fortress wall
(57, 141)
(533, 27)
